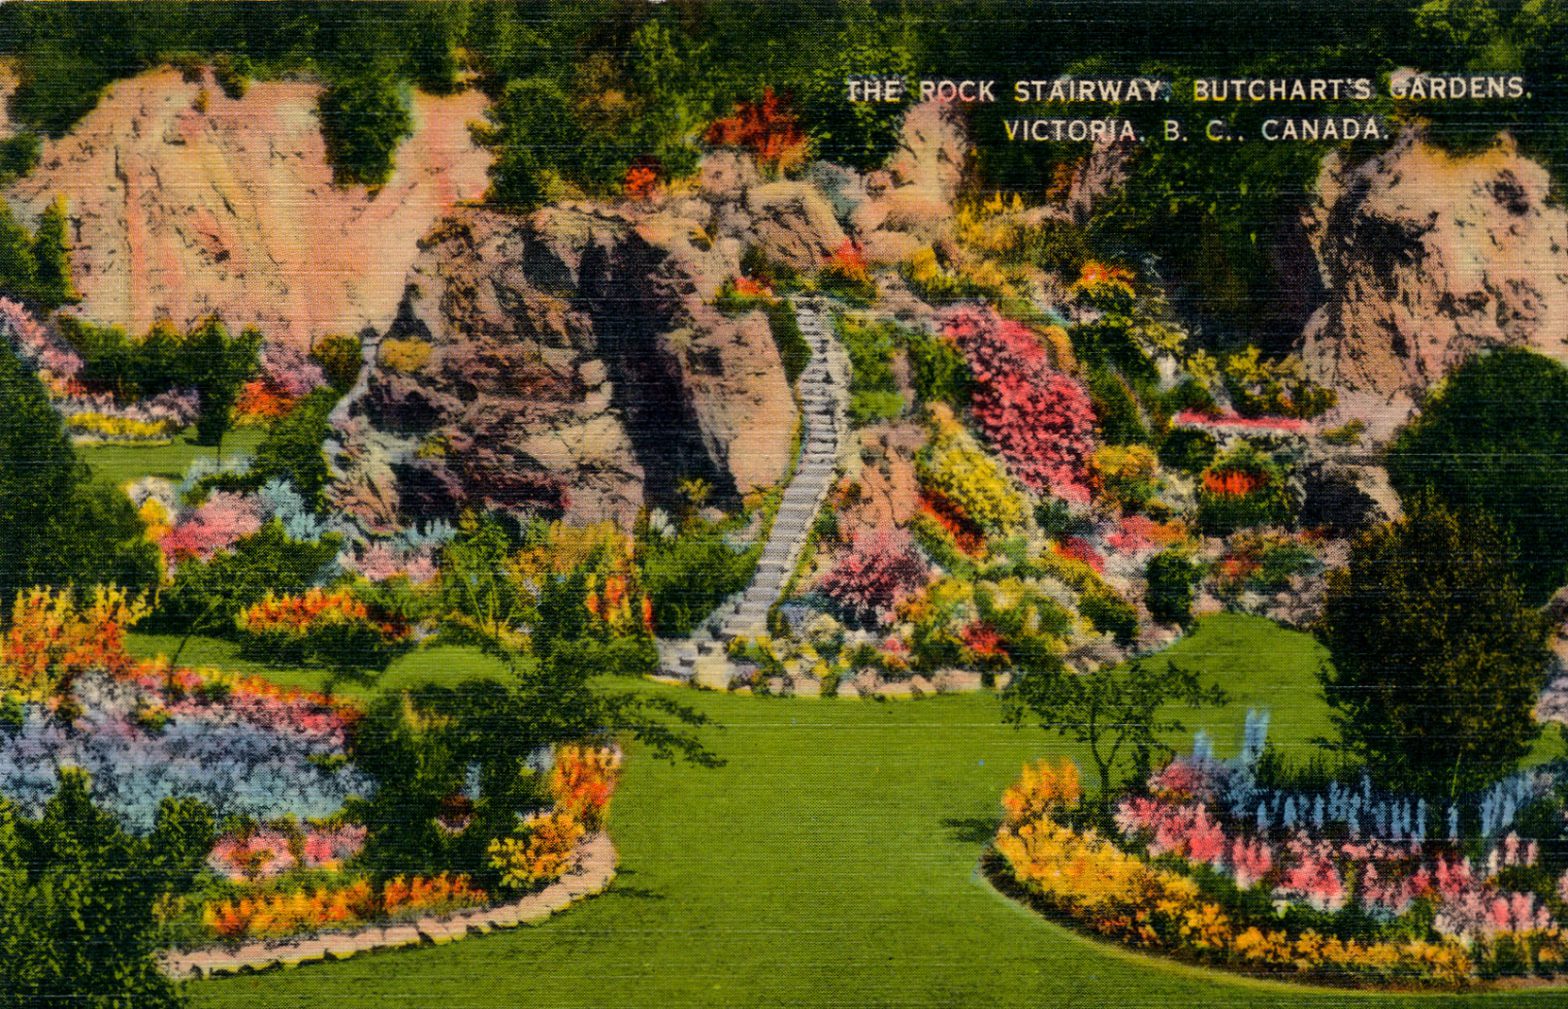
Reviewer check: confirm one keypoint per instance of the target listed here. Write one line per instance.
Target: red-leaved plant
(869, 579)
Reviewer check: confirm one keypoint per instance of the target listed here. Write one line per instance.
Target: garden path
(824, 402)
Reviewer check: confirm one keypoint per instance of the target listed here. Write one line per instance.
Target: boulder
(1425, 259)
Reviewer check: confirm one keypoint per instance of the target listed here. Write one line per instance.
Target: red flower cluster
(767, 128)
(967, 538)
(1040, 420)
(1232, 483)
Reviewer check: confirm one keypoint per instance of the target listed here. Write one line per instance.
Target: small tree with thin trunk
(1118, 713)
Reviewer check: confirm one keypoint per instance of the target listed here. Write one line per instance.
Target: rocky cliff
(571, 364)
(1426, 258)
(186, 202)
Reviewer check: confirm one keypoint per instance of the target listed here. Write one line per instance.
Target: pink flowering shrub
(269, 851)
(1040, 420)
(56, 363)
(221, 522)
(289, 371)
(878, 569)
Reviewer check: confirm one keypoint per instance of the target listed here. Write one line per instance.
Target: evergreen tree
(38, 471)
(219, 365)
(18, 272)
(51, 249)
(364, 117)
(1437, 658)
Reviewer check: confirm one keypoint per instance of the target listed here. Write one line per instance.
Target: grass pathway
(830, 862)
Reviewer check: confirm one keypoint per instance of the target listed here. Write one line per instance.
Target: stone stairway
(824, 401)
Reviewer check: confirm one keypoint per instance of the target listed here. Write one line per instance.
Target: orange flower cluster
(767, 128)
(641, 182)
(848, 262)
(297, 616)
(283, 914)
(52, 640)
(430, 893)
(1098, 280)
(275, 915)
(1232, 483)
(582, 782)
(259, 401)
(748, 288)
(984, 644)
(618, 605)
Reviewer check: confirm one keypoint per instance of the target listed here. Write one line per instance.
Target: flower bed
(1342, 884)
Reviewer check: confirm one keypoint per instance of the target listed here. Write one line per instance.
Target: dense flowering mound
(222, 521)
(1343, 884)
(767, 128)
(877, 570)
(338, 906)
(1040, 420)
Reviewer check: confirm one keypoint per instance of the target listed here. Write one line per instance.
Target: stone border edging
(594, 871)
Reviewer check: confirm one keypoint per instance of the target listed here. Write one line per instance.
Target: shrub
(1109, 613)
(405, 355)
(232, 72)
(583, 781)
(1040, 420)
(364, 117)
(1243, 488)
(334, 628)
(1171, 575)
(1492, 438)
(794, 351)
(1116, 408)
(867, 580)
(1260, 387)
(207, 594)
(938, 368)
(688, 574)
(1043, 790)
(1126, 475)
(874, 394)
(340, 358)
(1188, 449)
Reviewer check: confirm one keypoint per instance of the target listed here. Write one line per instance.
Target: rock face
(569, 364)
(1426, 259)
(179, 212)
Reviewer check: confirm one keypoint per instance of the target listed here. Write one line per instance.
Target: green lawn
(438, 664)
(120, 464)
(831, 862)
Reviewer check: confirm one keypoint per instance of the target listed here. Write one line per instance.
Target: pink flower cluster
(379, 560)
(289, 371)
(1040, 420)
(56, 363)
(223, 520)
(267, 851)
(1325, 873)
(177, 408)
(879, 569)
(1235, 421)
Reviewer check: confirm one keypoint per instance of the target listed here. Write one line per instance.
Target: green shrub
(689, 574)
(1189, 450)
(1171, 575)
(941, 375)
(206, 596)
(341, 357)
(794, 351)
(874, 394)
(19, 155)
(1243, 488)
(232, 72)
(1492, 438)
(1109, 612)
(875, 406)
(1116, 408)
(364, 117)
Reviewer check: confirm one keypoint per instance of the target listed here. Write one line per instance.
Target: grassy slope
(830, 862)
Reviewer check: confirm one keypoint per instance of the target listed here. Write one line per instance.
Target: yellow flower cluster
(955, 469)
(1042, 789)
(1119, 895)
(541, 855)
(405, 355)
(111, 428)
